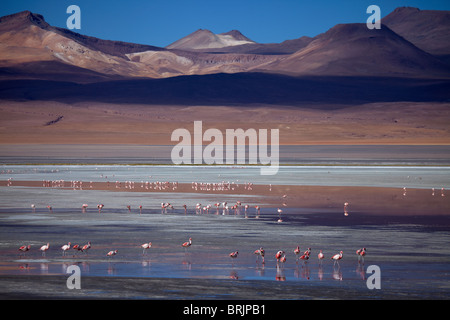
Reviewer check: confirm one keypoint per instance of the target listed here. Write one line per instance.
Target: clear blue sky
(161, 22)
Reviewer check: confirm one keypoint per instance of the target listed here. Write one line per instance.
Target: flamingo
(112, 253)
(280, 256)
(304, 257)
(44, 248)
(145, 246)
(279, 215)
(217, 205)
(84, 207)
(320, 256)
(33, 207)
(140, 209)
(361, 253)
(187, 244)
(86, 247)
(260, 252)
(297, 251)
(65, 247)
(25, 248)
(234, 254)
(336, 258)
(76, 247)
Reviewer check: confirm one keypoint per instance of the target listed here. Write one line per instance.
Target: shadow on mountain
(233, 89)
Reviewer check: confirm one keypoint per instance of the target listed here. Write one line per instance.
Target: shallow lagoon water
(410, 254)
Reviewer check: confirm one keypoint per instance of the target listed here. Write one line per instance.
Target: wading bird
(260, 252)
(86, 247)
(320, 256)
(145, 246)
(44, 248)
(336, 258)
(361, 253)
(187, 244)
(64, 248)
(280, 256)
(279, 215)
(297, 251)
(24, 249)
(112, 253)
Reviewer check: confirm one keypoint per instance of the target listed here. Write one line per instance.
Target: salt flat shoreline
(369, 200)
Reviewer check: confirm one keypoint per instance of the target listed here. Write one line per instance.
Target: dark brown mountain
(347, 64)
(429, 30)
(354, 50)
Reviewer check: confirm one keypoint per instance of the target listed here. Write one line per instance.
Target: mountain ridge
(344, 50)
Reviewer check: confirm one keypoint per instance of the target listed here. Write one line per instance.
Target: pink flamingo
(187, 244)
(185, 208)
(320, 256)
(44, 248)
(112, 253)
(260, 252)
(234, 254)
(145, 246)
(336, 258)
(304, 258)
(65, 247)
(24, 249)
(297, 251)
(280, 256)
(86, 247)
(76, 247)
(279, 215)
(140, 210)
(361, 253)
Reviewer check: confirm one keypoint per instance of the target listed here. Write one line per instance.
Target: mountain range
(410, 53)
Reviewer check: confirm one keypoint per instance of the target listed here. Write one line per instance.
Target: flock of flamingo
(280, 256)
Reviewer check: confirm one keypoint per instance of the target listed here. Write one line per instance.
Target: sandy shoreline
(396, 123)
